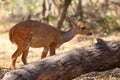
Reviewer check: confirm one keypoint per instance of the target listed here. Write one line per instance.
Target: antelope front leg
(24, 56)
(52, 49)
(44, 53)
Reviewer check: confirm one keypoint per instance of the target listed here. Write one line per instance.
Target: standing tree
(46, 7)
(63, 15)
(79, 10)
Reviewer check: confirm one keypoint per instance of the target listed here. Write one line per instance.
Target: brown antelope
(35, 34)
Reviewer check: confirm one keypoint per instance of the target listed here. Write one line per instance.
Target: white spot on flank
(37, 38)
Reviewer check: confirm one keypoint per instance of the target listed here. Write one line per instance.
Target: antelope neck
(68, 35)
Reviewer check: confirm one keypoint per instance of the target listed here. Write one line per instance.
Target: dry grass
(7, 49)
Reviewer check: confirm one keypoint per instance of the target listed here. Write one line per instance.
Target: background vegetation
(101, 16)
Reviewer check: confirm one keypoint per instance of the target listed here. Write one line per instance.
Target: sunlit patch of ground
(7, 49)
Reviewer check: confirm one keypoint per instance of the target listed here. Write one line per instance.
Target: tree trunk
(45, 11)
(63, 15)
(79, 10)
(98, 57)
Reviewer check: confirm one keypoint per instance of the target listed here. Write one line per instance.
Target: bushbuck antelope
(35, 34)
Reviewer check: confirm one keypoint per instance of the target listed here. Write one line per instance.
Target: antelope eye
(83, 28)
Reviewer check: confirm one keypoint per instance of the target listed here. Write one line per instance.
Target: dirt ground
(7, 49)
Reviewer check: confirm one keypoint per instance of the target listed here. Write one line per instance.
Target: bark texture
(98, 57)
(63, 13)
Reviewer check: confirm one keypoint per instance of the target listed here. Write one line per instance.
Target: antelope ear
(82, 19)
(71, 21)
(68, 18)
(79, 19)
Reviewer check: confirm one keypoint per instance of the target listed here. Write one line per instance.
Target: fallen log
(98, 57)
